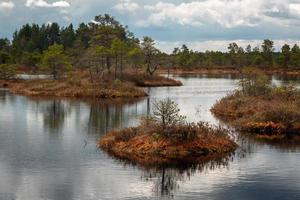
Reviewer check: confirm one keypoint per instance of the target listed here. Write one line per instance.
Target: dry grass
(146, 146)
(143, 80)
(77, 85)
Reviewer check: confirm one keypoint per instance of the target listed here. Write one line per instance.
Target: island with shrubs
(258, 107)
(165, 138)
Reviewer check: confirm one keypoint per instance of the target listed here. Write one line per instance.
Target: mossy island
(269, 112)
(78, 84)
(165, 138)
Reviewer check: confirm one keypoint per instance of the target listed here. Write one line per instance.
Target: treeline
(263, 56)
(105, 45)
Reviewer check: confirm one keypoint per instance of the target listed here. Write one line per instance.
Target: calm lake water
(48, 151)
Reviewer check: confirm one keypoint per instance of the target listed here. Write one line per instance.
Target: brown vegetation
(144, 80)
(145, 145)
(78, 84)
(274, 113)
(225, 71)
(165, 138)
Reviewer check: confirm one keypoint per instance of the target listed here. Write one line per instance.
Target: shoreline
(225, 71)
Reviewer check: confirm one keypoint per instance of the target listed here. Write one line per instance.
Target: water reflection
(4, 97)
(54, 114)
(250, 142)
(166, 181)
(106, 115)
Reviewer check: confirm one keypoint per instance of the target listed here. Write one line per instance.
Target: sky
(202, 25)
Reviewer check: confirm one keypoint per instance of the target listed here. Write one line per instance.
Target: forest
(105, 45)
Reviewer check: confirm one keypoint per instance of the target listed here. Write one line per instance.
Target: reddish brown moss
(146, 147)
(58, 88)
(78, 85)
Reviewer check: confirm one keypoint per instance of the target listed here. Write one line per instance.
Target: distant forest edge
(109, 45)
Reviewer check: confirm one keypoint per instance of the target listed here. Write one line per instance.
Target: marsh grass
(275, 112)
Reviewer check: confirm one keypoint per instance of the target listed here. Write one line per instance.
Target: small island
(78, 84)
(269, 112)
(165, 138)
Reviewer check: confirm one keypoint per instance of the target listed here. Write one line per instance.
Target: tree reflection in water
(54, 114)
(105, 115)
(6, 97)
(168, 178)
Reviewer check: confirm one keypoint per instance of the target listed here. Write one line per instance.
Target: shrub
(166, 122)
(126, 134)
(288, 92)
(254, 82)
(75, 80)
(285, 114)
(7, 71)
(166, 113)
(182, 132)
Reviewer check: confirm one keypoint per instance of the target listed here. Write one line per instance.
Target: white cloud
(219, 45)
(7, 5)
(43, 3)
(226, 13)
(126, 5)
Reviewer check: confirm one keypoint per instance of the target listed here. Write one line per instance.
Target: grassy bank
(273, 114)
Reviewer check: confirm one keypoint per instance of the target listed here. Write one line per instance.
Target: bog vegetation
(260, 108)
(165, 137)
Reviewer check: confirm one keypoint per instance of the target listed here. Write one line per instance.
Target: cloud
(225, 13)
(7, 5)
(43, 3)
(126, 5)
(196, 13)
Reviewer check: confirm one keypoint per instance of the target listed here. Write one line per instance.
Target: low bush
(7, 71)
(254, 82)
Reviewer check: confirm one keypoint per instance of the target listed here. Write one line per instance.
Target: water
(31, 77)
(48, 151)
